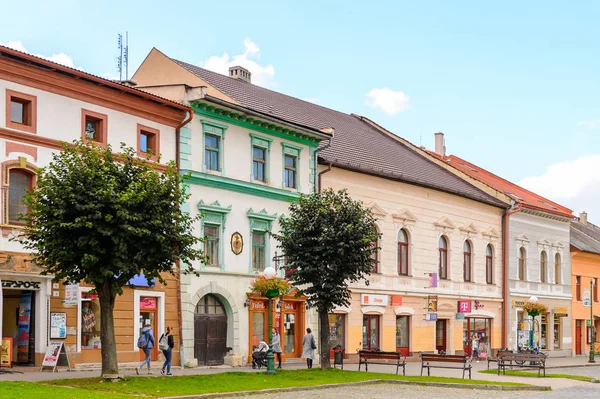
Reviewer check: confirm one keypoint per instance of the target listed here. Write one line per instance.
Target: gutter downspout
(177, 264)
(318, 174)
(505, 264)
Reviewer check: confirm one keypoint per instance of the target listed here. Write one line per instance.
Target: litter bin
(338, 357)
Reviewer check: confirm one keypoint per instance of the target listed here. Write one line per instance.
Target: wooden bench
(492, 359)
(524, 360)
(379, 357)
(461, 362)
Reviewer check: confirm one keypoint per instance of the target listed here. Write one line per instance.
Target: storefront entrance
(578, 337)
(403, 335)
(371, 337)
(149, 315)
(441, 335)
(19, 323)
(476, 327)
(210, 331)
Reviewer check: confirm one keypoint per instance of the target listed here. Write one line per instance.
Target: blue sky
(513, 85)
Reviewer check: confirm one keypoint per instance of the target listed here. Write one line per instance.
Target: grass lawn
(517, 373)
(91, 388)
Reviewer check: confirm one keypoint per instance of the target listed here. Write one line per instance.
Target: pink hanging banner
(432, 280)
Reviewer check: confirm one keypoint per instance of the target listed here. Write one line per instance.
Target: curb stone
(361, 383)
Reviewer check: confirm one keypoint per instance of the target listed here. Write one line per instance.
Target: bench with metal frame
(428, 358)
(378, 357)
(495, 359)
(523, 360)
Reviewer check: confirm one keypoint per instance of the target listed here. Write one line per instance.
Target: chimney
(440, 148)
(238, 72)
(583, 217)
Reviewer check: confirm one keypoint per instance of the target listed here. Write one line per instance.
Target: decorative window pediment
(212, 226)
(522, 238)
(260, 220)
(404, 216)
(445, 224)
(376, 209)
(558, 245)
(469, 229)
(490, 233)
(213, 213)
(543, 243)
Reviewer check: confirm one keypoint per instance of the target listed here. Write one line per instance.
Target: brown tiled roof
(585, 237)
(356, 145)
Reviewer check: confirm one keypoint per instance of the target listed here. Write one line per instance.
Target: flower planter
(272, 293)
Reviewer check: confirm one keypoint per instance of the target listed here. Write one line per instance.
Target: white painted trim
(373, 309)
(137, 294)
(401, 310)
(342, 310)
(481, 313)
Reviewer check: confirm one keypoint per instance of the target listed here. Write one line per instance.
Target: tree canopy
(101, 218)
(328, 243)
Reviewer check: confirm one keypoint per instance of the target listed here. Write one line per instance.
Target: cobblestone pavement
(392, 391)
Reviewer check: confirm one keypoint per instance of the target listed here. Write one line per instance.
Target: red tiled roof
(356, 145)
(523, 196)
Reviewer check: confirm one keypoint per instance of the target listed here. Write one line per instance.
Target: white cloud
(60, 58)
(591, 125)
(575, 184)
(261, 75)
(389, 101)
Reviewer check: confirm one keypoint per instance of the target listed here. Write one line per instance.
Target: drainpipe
(505, 265)
(318, 174)
(177, 263)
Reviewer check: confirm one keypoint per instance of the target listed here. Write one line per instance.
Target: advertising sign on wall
(23, 327)
(71, 294)
(372, 299)
(58, 325)
(464, 306)
(6, 352)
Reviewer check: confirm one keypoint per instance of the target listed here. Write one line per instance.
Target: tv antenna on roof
(123, 58)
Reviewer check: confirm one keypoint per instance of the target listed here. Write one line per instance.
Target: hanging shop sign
(432, 301)
(433, 280)
(464, 306)
(587, 298)
(58, 325)
(6, 352)
(396, 300)
(372, 299)
(21, 284)
(561, 311)
(237, 243)
(431, 316)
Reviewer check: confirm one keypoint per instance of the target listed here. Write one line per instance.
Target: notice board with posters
(6, 352)
(58, 325)
(56, 355)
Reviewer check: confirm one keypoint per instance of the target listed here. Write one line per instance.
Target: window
(259, 162)
(403, 253)
(337, 330)
(375, 254)
(443, 266)
(289, 177)
(258, 250)
(94, 127)
(578, 288)
(544, 332)
(595, 289)
(370, 332)
(211, 233)
(148, 141)
(21, 111)
(467, 261)
(557, 332)
(211, 152)
(543, 266)
(90, 321)
(20, 182)
(489, 265)
(522, 258)
(557, 269)
(402, 334)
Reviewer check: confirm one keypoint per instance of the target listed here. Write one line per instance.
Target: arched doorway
(210, 331)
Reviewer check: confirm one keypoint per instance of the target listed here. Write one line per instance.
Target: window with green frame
(211, 234)
(258, 250)
(259, 163)
(211, 152)
(289, 177)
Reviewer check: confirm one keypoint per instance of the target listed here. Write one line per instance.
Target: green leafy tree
(102, 218)
(328, 241)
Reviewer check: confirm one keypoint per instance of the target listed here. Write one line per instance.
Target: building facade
(585, 264)
(538, 261)
(44, 104)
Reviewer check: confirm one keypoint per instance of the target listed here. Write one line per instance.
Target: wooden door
(371, 337)
(200, 338)
(216, 340)
(578, 337)
(440, 335)
(150, 316)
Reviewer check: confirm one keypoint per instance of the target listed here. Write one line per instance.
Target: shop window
(371, 332)
(20, 182)
(557, 278)
(21, 111)
(403, 334)
(467, 255)
(94, 127)
(211, 234)
(481, 328)
(443, 261)
(544, 333)
(557, 332)
(337, 330)
(148, 141)
(90, 321)
(522, 260)
(402, 253)
(258, 250)
(489, 264)
(375, 254)
(578, 288)
(258, 328)
(543, 266)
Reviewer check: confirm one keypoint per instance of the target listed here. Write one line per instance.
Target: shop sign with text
(372, 299)
(464, 306)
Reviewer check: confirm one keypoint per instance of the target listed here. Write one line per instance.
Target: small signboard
(6, 352)
(432, 301)
(587, 300)
(71, 294)
(372, 299)
(56, 355)
(561, 311)
(431, 316)
(460, 316)
(464, 306)
(58, 325)
(518, 303)
(396, 300)
(433, 280)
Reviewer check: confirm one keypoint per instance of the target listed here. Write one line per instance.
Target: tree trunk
(324, 339)
(106, 296)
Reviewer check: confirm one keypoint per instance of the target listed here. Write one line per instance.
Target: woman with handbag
(308, 348)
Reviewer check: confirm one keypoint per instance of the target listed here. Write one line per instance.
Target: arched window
(19, 184)
(443, 248)
(543, 266)
(557, 269)
(467, 261)
(375, 255)
(522, 258)
(403, 253)
(489, 264)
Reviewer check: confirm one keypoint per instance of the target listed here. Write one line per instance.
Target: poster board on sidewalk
(6, 352)
(56, 355)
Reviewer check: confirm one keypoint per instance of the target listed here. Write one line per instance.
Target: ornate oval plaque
(237, 243)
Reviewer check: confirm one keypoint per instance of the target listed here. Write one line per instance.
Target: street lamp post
(532, 331)
(270, 273)
(592, 360)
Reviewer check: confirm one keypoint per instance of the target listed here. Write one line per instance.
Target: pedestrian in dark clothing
(166, 344)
